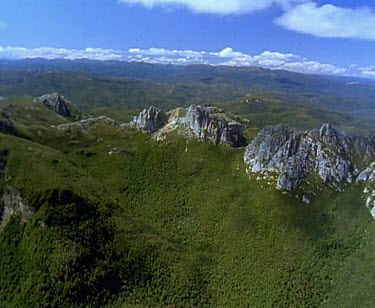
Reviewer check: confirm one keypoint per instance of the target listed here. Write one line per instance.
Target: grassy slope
(89, 91)
(178, 223)
(304, 101)
(263, 110)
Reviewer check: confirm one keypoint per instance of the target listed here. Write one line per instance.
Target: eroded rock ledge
(292, 155)
(150, 120)
(204, 123)
(368, 176)
(210, 124)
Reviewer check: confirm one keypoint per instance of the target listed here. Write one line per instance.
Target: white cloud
(312, 67)
(368, 71)
(274, 55)
(330, 21)
(228, 52)
(304, 16)
(222, 7)
(287, 61)
(166, 52)
(60, 53)
(227, 56)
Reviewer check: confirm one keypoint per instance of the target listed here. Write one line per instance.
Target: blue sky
(333, 37)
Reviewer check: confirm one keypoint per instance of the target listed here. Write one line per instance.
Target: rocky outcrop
(13, 204)
(150, 120)
(368, 176)
(206, 123)
(86, 125)
(57, 103)
(294, 154)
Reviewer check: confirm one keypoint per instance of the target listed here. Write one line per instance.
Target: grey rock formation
(368, 176)
(14, 205)
(2, 99)
(150, 120)
(57, 103)
(306, 199)
(294, 154)
(206, 124)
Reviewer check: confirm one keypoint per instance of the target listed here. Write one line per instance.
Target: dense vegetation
(120, 220)
(178, 223)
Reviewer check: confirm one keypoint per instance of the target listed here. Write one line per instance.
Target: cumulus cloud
(303, 16)
(166, 52)
(330, 21)
(227, 56)
(222, 7)
(60, 53)
(287, 61)
(227, 52)
(312, 67)
(368, 71)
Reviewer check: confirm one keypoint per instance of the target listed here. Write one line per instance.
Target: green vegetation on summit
(95, 213)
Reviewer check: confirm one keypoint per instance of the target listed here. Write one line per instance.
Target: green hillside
(268, 101)
(171, 224)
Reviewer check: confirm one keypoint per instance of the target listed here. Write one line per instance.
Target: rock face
(206, 125)
(294, 154)
(11, 201)
(150, 120)
(368, 176)
(57, 103)
(14, 205)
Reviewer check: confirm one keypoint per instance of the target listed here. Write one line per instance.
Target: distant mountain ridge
(308, 100)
